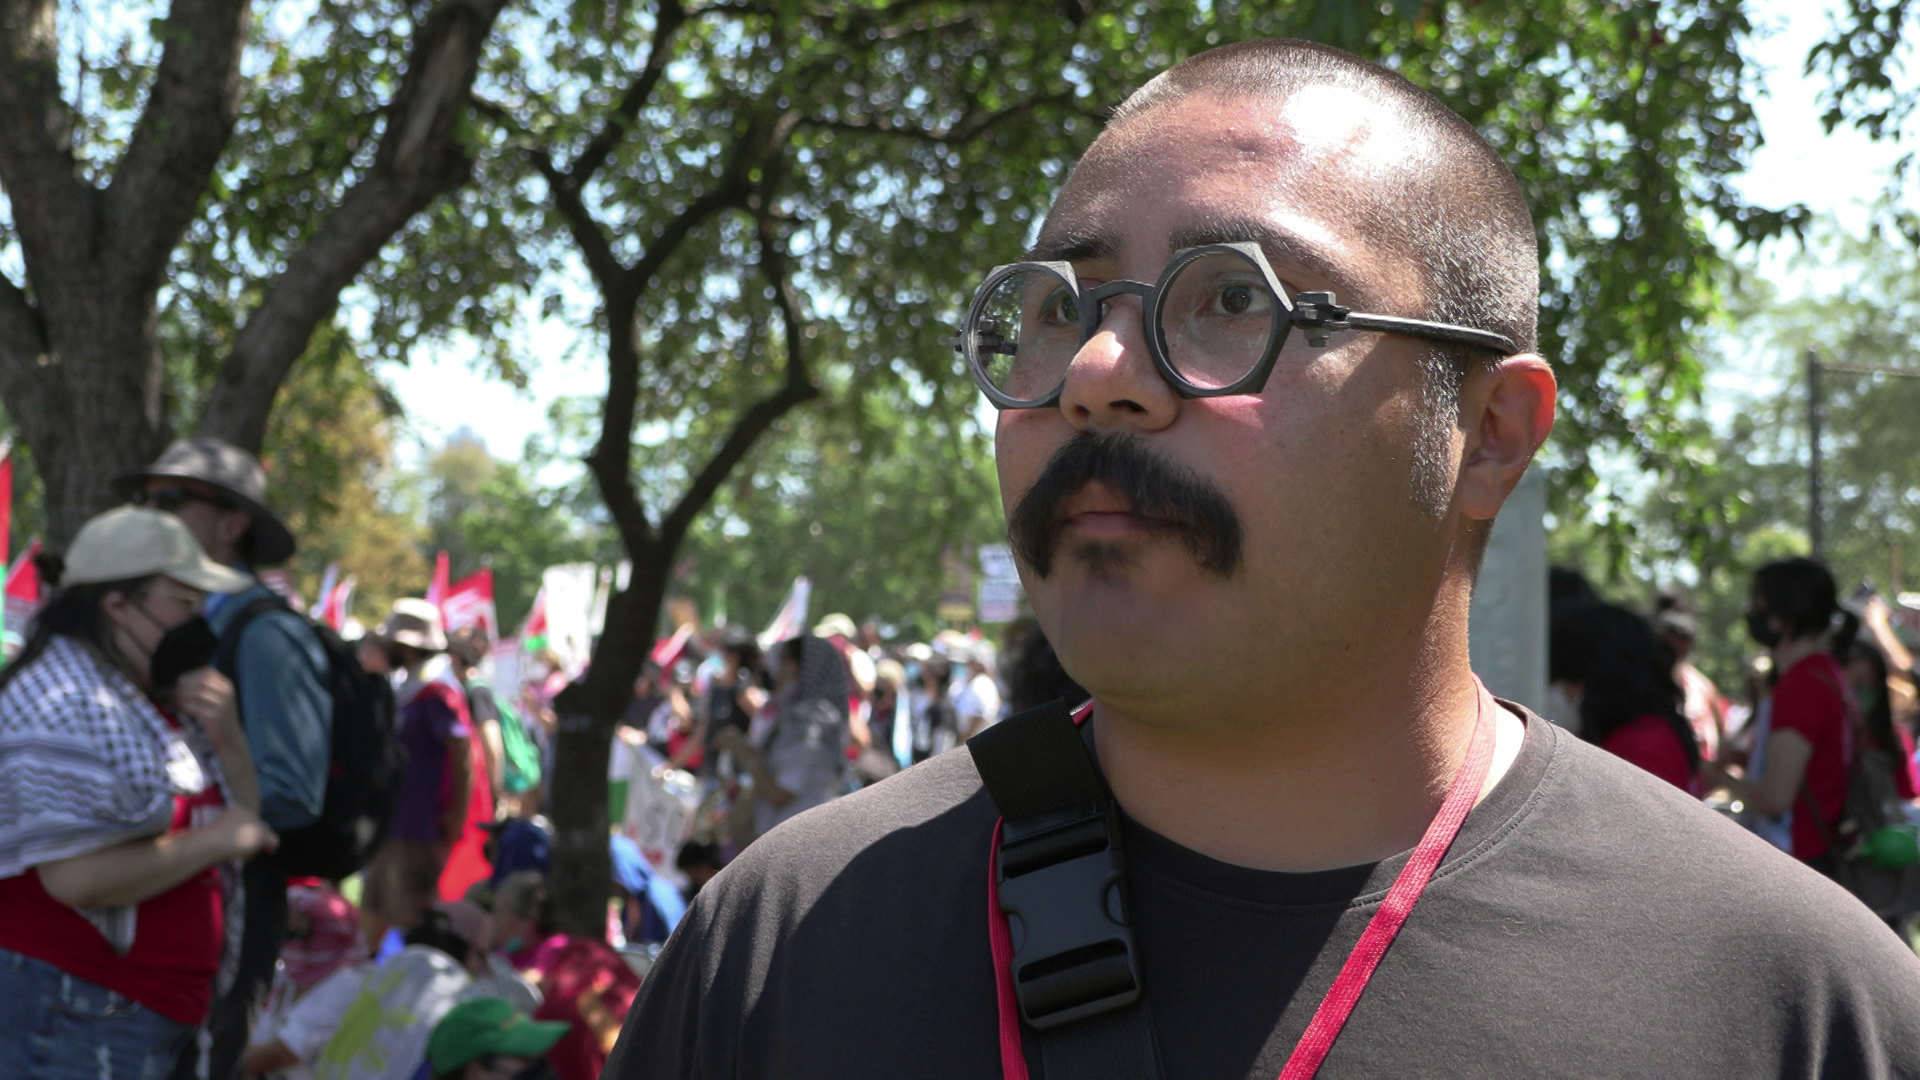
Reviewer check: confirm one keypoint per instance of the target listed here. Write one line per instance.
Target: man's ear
(1506, 413)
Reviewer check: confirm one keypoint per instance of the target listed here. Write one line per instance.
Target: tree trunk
(89, 407)
(79, 369)
(582, 868)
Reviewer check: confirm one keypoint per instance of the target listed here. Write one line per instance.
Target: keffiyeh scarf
(86, 763)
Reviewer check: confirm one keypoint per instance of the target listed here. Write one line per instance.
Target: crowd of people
(235, 845)
(1815, 753)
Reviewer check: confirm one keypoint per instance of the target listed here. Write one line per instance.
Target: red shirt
(176, 941)
(1810, 702)
(1650, 743)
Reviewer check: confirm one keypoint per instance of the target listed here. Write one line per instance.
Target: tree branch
(28, 388)
(51, 207)
(796, 389)
(614, 129)
(189, 116)
(966, 129)
(23, 337)
(612, 459)
(587, 232)
(761, 143)
(420, 157)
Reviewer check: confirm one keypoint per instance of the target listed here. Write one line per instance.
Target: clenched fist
(207, 696)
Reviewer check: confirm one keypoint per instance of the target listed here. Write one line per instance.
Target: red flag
(437, 588)
(336, 604)
(469, 602)
(669, 649)
(23, 590)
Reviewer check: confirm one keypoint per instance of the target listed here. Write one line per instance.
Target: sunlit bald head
(1376, 149)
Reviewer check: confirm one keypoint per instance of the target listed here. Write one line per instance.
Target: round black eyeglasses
(1215, 321)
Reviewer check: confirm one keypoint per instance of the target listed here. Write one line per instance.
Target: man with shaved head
(1264, 382)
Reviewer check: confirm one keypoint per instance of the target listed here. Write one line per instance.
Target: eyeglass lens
(1215, 314)
(1216, 317)
(1027, 332)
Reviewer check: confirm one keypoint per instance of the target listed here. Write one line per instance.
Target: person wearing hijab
(803, 762)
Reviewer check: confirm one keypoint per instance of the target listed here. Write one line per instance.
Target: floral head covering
(331, 939)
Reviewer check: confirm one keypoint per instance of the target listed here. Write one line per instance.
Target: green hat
(487, 1026)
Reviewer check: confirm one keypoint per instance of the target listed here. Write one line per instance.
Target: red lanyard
(1347, 987)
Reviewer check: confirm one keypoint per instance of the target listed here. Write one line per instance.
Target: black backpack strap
(229, 654)
(1062, 886)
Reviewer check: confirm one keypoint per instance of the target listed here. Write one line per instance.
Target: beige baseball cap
(133, 542)
(415, 622)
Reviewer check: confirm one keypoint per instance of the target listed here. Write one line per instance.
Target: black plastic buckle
(1060, 887)
(1317, 316)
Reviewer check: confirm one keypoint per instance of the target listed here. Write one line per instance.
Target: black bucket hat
(237, 475)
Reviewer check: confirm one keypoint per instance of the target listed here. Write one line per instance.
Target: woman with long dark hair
(125, 789)
(1611, 662)
(1867, 676)
(1801, 765)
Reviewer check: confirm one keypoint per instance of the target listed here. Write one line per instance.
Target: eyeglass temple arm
(1317, 316)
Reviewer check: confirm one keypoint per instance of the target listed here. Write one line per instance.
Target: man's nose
(1112, 382)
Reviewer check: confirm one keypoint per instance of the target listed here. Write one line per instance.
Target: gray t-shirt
(1590, 920)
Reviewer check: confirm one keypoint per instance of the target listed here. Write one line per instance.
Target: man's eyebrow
(1280, 246)
(1073, 247)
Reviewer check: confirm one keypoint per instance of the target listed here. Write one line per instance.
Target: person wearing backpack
(281, 677)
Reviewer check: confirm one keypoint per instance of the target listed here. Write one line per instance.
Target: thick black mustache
(1153, 486)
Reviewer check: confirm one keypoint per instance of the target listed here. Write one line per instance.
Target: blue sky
(1836, 174)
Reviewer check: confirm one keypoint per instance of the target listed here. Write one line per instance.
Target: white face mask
(1563, 706)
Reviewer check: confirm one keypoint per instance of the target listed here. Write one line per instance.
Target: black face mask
(1763, 631)
(188, 647)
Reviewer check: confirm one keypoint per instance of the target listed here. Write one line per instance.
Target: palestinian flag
(533, 633)
(23, 596)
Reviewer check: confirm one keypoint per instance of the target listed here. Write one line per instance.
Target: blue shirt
(280, 676)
